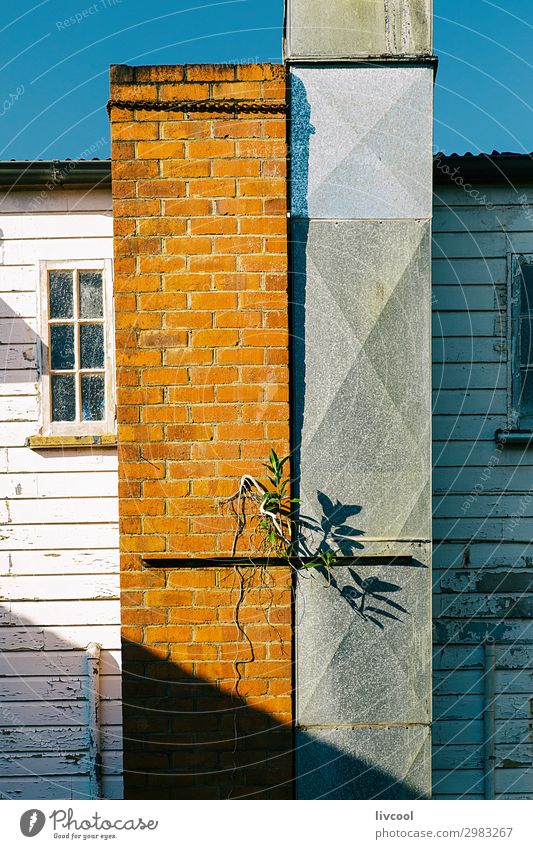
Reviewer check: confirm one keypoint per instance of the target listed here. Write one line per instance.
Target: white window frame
(77, 428)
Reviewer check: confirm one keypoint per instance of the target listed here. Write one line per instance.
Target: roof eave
(507, 168)
(67, 173)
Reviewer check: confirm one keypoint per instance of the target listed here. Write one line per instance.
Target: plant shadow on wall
(337, 541)
(309, 544)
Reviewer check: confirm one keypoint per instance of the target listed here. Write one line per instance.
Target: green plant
(271, 517)
(276, 531)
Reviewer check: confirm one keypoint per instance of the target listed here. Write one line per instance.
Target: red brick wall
(202, 391)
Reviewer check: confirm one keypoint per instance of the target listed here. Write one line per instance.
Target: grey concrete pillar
(361, 94)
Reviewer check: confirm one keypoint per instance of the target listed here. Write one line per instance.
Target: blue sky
(54, 71)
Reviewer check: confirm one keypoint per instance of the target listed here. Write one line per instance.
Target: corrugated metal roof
(492, 167)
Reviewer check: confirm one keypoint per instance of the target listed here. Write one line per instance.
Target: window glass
(91, 294)
(63, 398)
(62, 346)
(526, 398)
(526, 289)
(91, 346)
(526, 354)
(92, 397)
(61, 294)
(77, 346)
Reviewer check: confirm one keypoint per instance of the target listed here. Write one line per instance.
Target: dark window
(522, 343)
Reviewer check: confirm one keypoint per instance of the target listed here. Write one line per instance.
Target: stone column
(361, 93)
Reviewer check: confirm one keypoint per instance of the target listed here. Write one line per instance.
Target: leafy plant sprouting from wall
(267, 509)
(269, 513)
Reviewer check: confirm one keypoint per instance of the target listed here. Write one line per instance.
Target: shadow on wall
(301, 131)
(19, 346)
(332, 535)
(185, 739)
(44, 698)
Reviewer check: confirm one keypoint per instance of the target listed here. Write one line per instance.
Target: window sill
(104, 440)
(514, 437)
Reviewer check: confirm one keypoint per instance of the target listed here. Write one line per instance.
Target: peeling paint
(507, 763)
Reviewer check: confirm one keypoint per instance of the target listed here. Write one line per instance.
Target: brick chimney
(199, 188)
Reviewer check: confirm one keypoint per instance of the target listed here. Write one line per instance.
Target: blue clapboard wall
(483, 507)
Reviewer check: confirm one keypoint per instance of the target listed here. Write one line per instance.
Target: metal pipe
(92, 692)
(489, 723)
(513, 437)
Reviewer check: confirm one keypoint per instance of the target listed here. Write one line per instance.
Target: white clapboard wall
(483, 573)
(59, 536)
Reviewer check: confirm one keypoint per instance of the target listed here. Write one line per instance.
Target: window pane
(61, 299)
(526, 399)
(62, 344)
(91, 345)
(92, 397)
(91, 297)
(526, 294)
(63, 398)
(526, 340)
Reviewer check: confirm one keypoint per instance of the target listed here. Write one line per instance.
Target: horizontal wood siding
(59, 536)
(483, 519)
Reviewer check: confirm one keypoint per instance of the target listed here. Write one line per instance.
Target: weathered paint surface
(483, 520)
(59, 538)
(351, 28)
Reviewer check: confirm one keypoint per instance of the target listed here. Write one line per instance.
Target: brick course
(202, 391)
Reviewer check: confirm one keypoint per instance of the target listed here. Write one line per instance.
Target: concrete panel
(361, 375)
(364, 645)
(339, 29)
(361, 142)
(363, 763)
